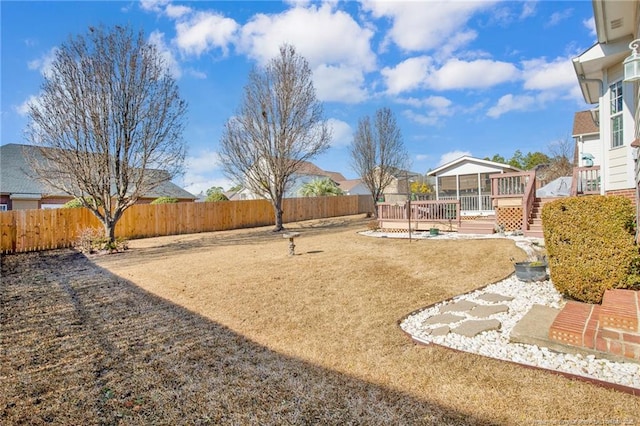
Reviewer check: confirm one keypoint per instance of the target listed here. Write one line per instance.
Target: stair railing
(528, 198)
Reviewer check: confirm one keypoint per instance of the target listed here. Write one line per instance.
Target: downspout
(594, 80)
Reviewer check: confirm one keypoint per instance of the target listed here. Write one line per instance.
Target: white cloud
(43, 64)
(428, 119)
(342, 132)
(590, 24)
(432, 109)
(157, 39)
(173, 11)
(528, 9)
(202, 172)
(407, 75)
(539, 74)
(558, 17)
(153, 5)
(510, 102)
(448, 157)
(339, 84)
(419, 72)
(478, 74)
(421, 26)
(204, 161)
(199, 183)
(319, 33)
(204, 31)
(23, 108)
(422, 157)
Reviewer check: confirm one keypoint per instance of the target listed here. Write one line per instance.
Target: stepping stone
(494, 298)
(440, 331)
(463, 305)
(442, 319)
(484, 311)
(472, 328)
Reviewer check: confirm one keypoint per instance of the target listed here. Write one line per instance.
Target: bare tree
(108, 118)
(278, 127)
(561, 158)
(377, 151)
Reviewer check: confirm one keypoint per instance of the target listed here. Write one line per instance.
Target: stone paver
(442, 319)
(472, 328)
(441, 331)
(495, 298)
(461, 306)
(484, 311)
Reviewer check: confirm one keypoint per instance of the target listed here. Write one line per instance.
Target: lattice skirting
(509, 217)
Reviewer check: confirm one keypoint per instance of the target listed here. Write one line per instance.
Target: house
(586, 134)
(20, 189)
(307, 172)
(400, 186)
(602, 81)
(353, 187)
(468, 179)
(606, 148)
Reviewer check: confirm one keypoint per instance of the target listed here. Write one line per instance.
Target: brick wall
(629, 193)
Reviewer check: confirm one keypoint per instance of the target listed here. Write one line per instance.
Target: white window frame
(4, 208)
(616, 106)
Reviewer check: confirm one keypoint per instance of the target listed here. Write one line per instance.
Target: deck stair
(535, 221)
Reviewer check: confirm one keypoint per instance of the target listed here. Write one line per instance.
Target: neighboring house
(400, 186)
(20, 189)
(306, 173)
(586, 134)
(468, 179)
(354, 187)
(601, 77)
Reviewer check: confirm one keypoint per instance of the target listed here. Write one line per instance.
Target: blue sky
(475, 77)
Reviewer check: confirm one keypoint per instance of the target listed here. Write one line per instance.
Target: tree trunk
(277, 208)
(109, 231)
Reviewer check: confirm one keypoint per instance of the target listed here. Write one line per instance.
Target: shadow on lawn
(82, 346)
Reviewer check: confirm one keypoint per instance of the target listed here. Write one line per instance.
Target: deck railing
(516, 185)
(586, 181)
(440, 211)
(510, 184)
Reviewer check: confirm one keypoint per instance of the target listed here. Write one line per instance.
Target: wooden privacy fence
(33, 230)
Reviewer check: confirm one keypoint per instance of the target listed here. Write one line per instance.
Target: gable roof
(308, 168)
(349, 184)
(17, 176)
(469, 159)
(583, 124)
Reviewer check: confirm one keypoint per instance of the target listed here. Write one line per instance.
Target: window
(615, 93)
(3, 207)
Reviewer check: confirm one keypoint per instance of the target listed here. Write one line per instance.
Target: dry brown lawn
(226, 328)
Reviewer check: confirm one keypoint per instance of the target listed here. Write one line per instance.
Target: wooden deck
(420, 215)
(513, 198)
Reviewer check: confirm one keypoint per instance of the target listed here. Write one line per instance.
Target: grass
(226, 328)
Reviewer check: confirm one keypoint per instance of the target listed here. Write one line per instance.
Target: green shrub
(590, 245)
(216, 196)
(165, 200)
(76, 203)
